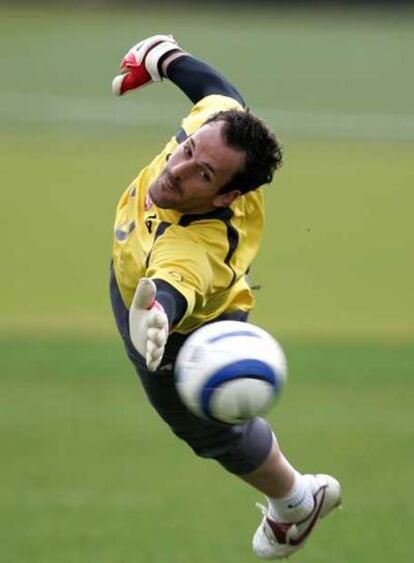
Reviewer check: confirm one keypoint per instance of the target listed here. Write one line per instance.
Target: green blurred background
(88, 471)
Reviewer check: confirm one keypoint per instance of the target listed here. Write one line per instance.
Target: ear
(224, 200)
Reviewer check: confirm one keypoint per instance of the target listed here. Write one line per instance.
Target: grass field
(88, 471)
(90, 474)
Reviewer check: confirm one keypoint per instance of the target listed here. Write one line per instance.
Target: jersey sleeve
(180, 261)
(198, 79)
(193, 261)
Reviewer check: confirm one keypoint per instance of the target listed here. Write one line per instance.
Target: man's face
(195, 172)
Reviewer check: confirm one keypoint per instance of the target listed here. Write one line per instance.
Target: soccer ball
(230, 371)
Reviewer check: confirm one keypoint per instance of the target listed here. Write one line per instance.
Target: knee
(240, 449)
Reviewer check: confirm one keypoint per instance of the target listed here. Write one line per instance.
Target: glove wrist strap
(162, 59)
(154, 56)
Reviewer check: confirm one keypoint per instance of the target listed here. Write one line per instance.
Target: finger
(154, 351)
(135, 78)
(158, 319)
(145, 294)
(153, 364)
(153, 358)
(117, 85)
(156, 336)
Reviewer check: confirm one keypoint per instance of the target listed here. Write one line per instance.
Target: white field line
(52, 110)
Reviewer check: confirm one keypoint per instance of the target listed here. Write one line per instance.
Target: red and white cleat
(278, 540)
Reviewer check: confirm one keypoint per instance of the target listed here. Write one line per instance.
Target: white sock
(296, 506)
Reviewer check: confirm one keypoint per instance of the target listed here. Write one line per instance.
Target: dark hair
(245, 132)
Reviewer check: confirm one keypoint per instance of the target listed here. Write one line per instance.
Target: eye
(187, 150)
(204, 175)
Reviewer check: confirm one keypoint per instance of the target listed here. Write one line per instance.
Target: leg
(275, 477)
(240, 448)
(250, 451)
(295, 503)
(289, 493)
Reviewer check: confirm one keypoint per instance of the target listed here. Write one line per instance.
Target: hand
(148, 324)
(140, 65)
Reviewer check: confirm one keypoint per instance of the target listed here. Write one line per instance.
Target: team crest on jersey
(148, 203)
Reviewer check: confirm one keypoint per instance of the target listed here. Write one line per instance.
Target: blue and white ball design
(230, 371)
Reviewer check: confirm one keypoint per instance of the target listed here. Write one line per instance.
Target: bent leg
(240, 448)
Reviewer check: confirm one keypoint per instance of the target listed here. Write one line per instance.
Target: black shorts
(240, 448)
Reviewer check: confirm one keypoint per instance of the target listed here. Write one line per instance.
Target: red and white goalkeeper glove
(148, 324)
(140, 66)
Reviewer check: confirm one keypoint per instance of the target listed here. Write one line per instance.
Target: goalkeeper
(186, 231)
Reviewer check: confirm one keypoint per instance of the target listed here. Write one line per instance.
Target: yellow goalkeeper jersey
(204, 257)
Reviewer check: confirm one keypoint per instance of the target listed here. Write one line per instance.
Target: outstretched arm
(197, 79)
(158, 57)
